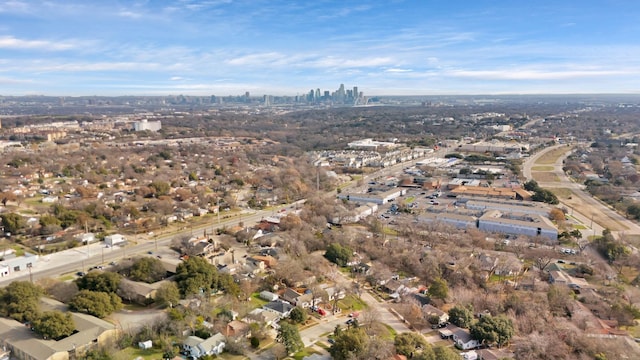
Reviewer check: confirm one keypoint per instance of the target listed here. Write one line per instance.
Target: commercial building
(11, 263)
(531, 225)
(144, 125)
(24, 344)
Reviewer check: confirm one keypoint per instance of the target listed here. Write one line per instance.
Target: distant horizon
(398, 47)
(302, 94)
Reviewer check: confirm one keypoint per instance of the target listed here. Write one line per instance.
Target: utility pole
(29, 265)
(102, 254)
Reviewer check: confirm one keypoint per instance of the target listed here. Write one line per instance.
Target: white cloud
(523, 74)
(130, 14)
(14, 6)
(10, 42)
(393, 70)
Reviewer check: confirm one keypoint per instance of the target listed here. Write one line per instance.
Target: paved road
(84, 257)
(578, 190)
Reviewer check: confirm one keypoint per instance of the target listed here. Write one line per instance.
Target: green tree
(96, 303)
(289, 336)
(46, 220)
(161, 188)
(12, 222)
(338, 254)
(168, 294)
(97, 354)
(298, 315)
(106, 281)
(461, 316)
(350, 344)
(445, 353)
(491, 329)
(19, 301)
(54, 325)
(409, 344)
(531, 185)
(147, 269)
(195, 276)
(438, 289)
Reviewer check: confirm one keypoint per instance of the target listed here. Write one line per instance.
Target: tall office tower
(327, 94)
(311, 96)
(318, 94)
(355, 92)
(246, 96)
(267, 100)
(349, 94)
(341, 93)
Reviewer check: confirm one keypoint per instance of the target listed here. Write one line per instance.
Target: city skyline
(227, 47)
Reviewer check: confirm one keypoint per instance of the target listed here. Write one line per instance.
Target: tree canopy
(338, 254)
(147, 269)
(289, 336)
(461, 316)
(96, 303)
(349, 344)
(106, 281)
(490, 329)
(54, 325)
(439, 289)
(168, 294)
(19, 301)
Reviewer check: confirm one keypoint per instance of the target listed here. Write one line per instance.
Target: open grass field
(542, 168)
(568, 197)
(552, 156)
(540, 176)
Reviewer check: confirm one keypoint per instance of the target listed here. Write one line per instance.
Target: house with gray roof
(197, 347)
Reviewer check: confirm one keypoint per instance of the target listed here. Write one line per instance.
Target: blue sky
(388, 47)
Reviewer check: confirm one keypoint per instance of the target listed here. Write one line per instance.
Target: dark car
(81, 273)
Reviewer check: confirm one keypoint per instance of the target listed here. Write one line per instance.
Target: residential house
(269, 261)
(463, 340)
(333, 292)
(430, 310)
(263, 316)
(197, 347)
(495, 354)
(269, 296)
(304, 300)
(282, 309)
(237, 328)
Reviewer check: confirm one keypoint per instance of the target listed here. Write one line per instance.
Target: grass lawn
(545, 176)
(392, 333)
(551, 157)
(390, 231)
(305, 352)
(66, 278)
(228, 356)
(351, 303)
(410, 199)
(579, 227)
(256, 301)
(132, 353)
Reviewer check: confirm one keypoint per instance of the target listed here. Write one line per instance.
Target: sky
(386, 47)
